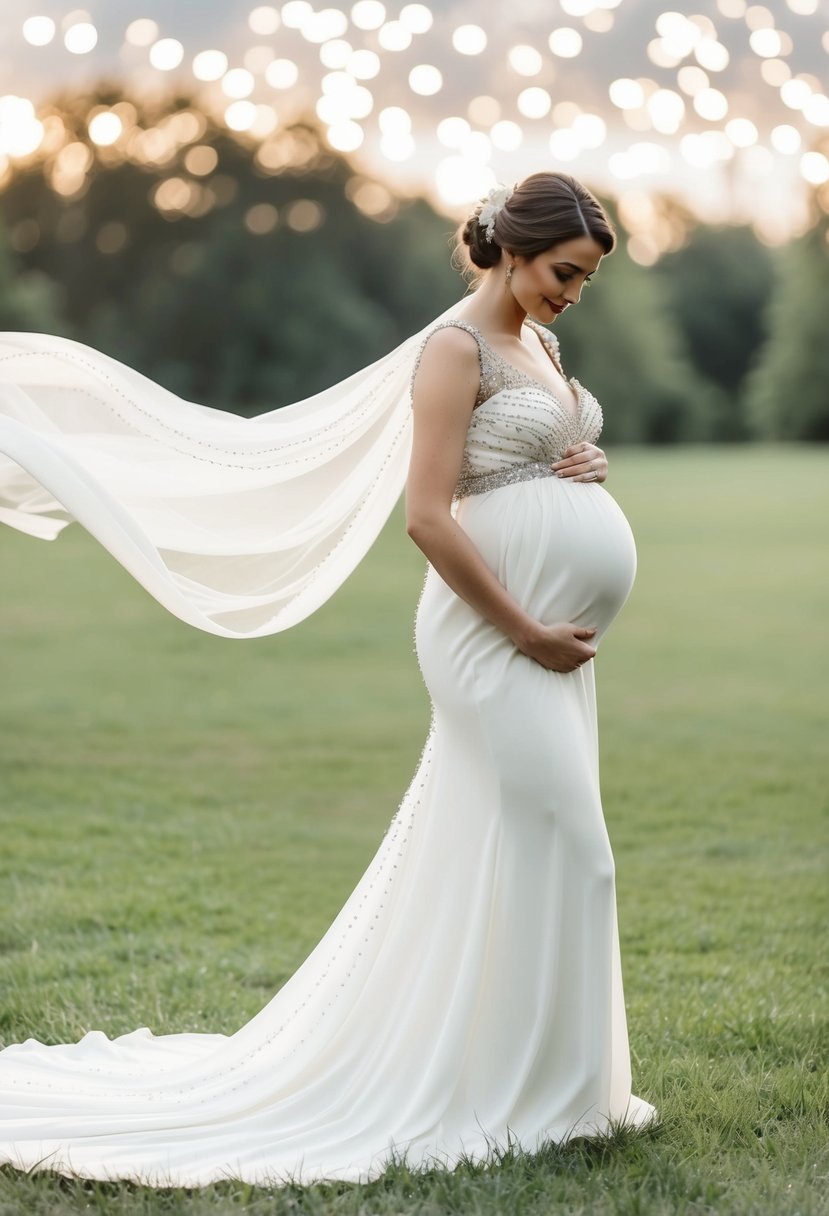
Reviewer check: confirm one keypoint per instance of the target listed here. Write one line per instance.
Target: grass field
(182, 816)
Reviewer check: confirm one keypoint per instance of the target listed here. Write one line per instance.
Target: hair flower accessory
(490, 207)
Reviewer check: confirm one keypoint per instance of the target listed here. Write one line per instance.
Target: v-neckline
(572, 414)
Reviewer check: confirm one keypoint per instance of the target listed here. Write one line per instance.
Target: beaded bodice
(519, 426)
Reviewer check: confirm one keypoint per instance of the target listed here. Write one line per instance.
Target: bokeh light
(627, 94)
(142, 32)
(814, 167)
(742, 132)
(345, 135)
(282, 74)
(238, 83)
(295, 13)
(704, 103)
(261, 218)
(368, 14)
(711, 104)
(335, 53)
(104, 128)
(786, 139)
(166, 54)
(80, 38)
(565, 42)
(304, 215)
(39, 31)
(209, 65)
(417, 18)
(534, 102)
(506, 135)
(393, 36)
(364, 65)
(425, 79)
(21, 131)
(264, 20)
(201, 160)
(453, 131)
(590, 130)
(525, 60)
(564, 145)
(469, 39)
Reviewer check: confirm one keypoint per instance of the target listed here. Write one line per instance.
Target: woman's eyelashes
(568, 278)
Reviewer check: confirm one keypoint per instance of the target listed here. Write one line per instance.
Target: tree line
(723, 340)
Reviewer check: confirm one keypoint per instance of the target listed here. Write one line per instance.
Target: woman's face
(552, 281)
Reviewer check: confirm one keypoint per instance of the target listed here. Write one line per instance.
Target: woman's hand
(558, 647)
(582, 462)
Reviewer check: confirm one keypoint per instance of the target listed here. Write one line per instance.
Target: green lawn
(182, 816)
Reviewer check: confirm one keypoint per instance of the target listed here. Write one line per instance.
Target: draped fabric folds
(239, 526)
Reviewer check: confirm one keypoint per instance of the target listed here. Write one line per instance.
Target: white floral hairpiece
(491, 206)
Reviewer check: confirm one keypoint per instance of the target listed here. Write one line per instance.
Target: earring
(510, 269)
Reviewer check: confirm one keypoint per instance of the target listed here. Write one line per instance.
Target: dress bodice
(519, 427)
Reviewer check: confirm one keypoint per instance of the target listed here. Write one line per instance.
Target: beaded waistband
(479, 483)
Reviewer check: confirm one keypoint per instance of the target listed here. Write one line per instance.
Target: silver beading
(490, 206)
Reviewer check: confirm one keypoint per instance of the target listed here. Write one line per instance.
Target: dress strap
(550, 340)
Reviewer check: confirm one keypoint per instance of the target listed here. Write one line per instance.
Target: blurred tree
(717, 286)
(225, 309)
(29, 300)
(207, 299)
(788, 389)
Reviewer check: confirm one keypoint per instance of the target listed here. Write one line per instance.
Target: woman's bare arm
(444, 394)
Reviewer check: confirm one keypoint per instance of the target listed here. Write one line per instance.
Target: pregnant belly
(564, 549)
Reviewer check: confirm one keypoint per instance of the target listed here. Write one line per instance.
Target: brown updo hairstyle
(544, 209)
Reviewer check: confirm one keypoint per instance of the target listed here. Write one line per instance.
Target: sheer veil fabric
(240, 527)
(469, 993)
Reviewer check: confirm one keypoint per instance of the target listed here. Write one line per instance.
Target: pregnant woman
(470, 990)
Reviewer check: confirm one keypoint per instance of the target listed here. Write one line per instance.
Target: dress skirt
(469, 993)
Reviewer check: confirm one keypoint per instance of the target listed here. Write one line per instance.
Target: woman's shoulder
(452, 334)
(449, 344)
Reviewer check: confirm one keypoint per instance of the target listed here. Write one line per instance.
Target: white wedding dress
(470, 992)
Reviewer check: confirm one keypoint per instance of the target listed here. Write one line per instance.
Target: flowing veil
(239, 526)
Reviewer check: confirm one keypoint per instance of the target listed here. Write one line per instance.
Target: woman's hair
(544, 209)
